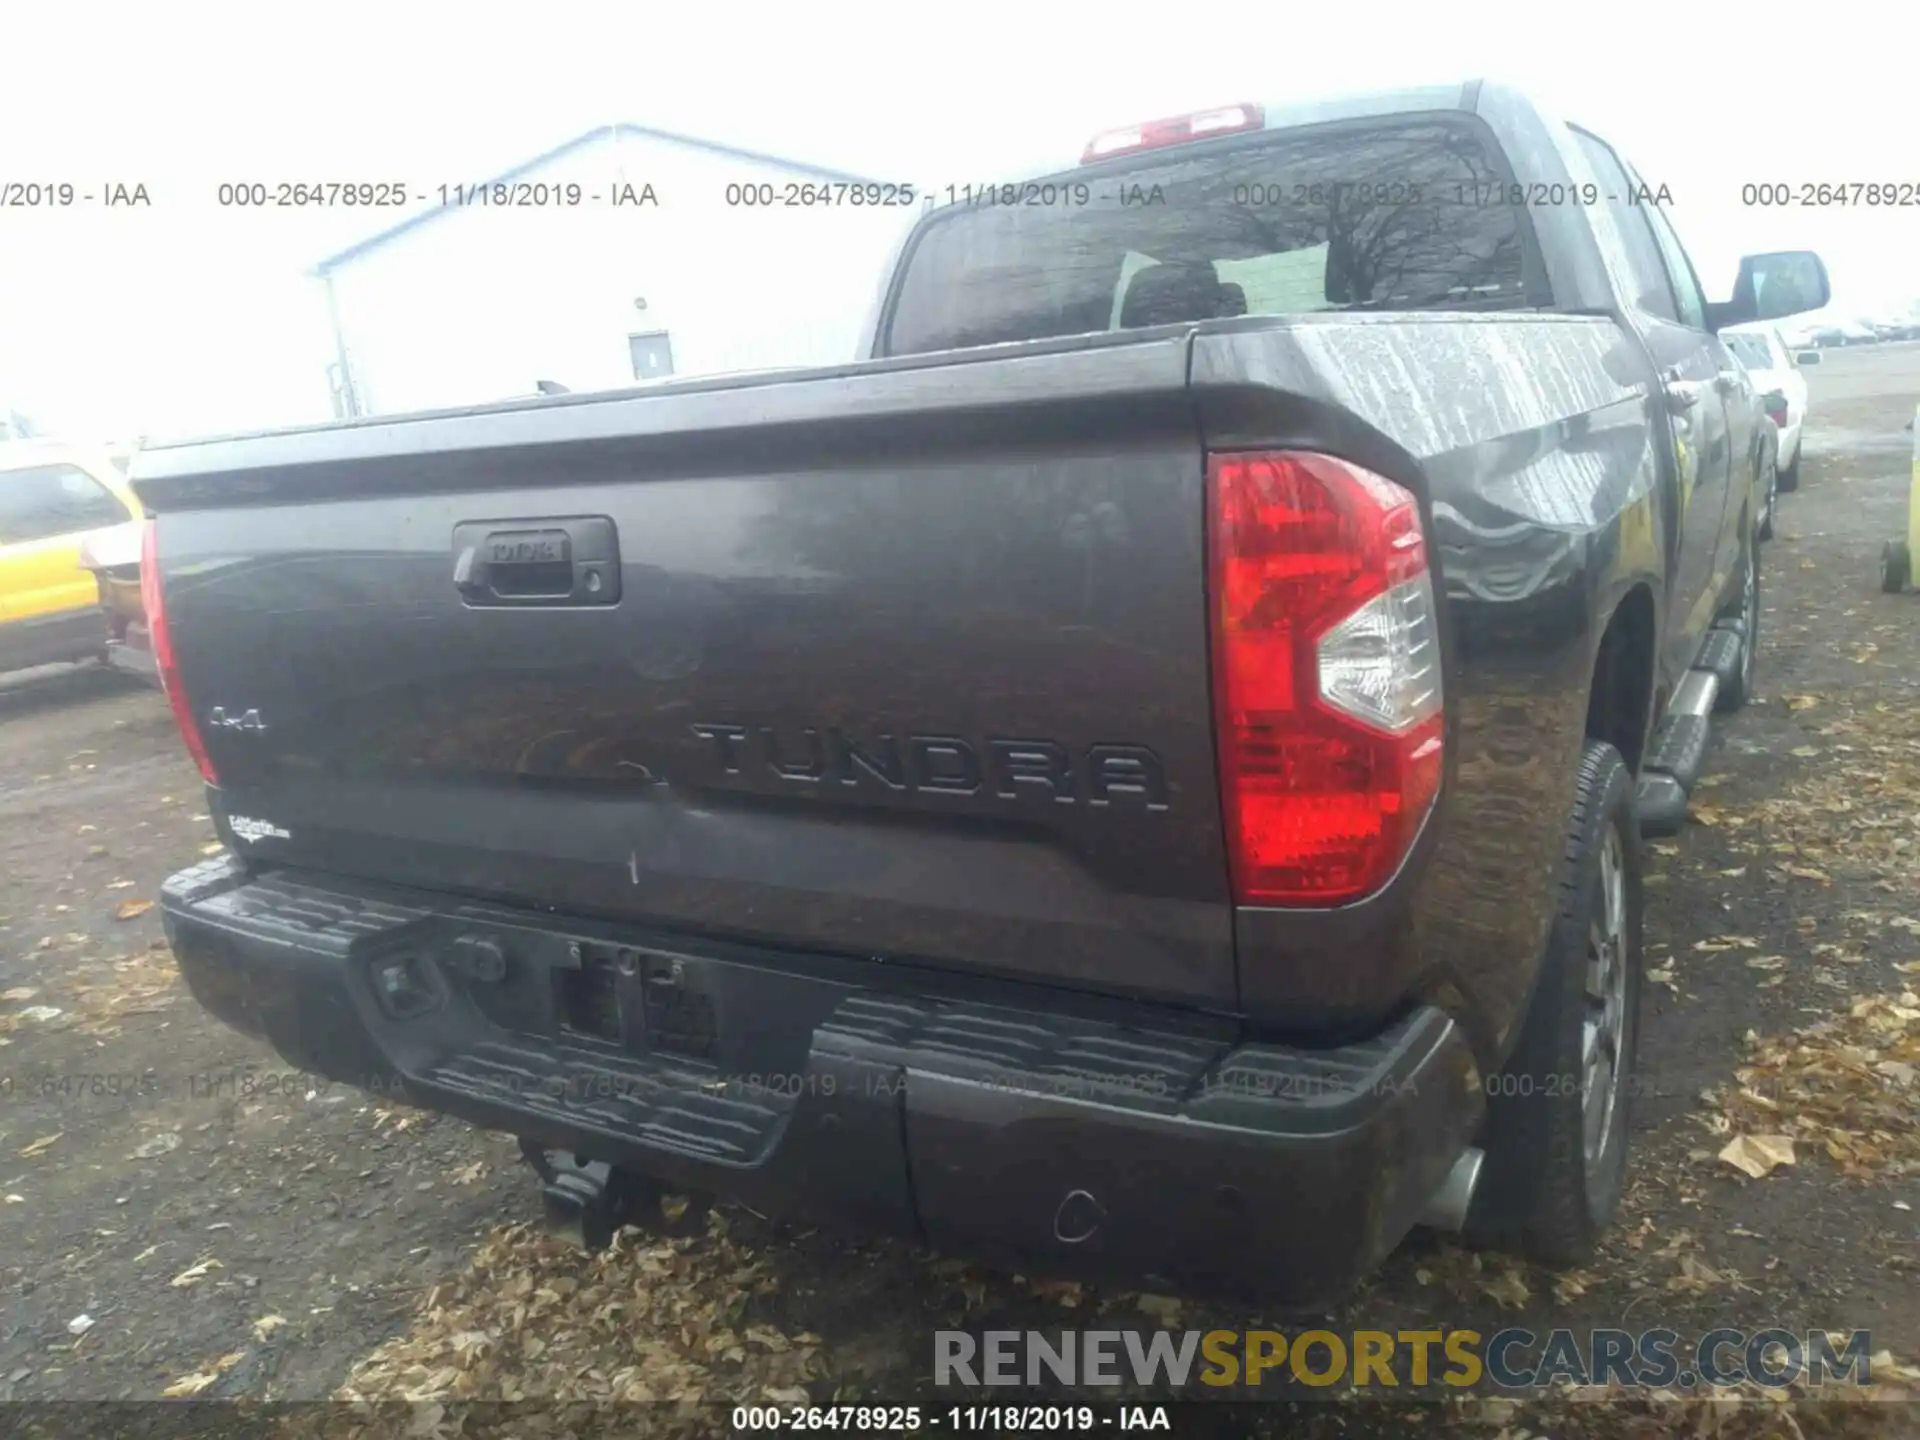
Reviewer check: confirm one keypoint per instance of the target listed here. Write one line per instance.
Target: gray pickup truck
(1144, 773)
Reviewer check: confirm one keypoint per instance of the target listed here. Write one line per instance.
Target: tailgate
(904, 661)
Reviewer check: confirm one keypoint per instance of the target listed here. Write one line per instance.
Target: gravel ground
(178, 1213)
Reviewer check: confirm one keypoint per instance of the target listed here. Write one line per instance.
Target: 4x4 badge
(224, 719)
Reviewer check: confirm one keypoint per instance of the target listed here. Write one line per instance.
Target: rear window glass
(1408, 215)
(1751, 350)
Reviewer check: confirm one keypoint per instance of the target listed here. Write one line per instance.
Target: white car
(1765, 354)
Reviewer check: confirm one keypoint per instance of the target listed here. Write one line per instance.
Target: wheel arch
(1621, 689)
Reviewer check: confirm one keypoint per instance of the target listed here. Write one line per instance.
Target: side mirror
(1807, 357)
(1774, 286)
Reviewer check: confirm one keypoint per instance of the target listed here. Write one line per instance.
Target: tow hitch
(586, 1201)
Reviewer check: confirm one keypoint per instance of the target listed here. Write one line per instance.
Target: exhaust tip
(1447, 1207)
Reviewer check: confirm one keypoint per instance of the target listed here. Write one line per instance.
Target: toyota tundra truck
(1141, 773)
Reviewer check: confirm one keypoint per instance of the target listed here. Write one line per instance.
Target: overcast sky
(185, 315)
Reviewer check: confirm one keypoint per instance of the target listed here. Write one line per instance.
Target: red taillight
(1326, 661)
(1175, 130)
(153, 602)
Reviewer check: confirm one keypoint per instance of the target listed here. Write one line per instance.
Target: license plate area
(634, 999)
(588, 1004)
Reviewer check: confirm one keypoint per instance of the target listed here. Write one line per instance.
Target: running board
(1722, 653)
(1679, 748)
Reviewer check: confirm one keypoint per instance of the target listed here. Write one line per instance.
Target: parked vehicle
(1843, 332)
(112, 557)
(1145, 774)
(53, 497)
(1763, 351)
(1772, 406)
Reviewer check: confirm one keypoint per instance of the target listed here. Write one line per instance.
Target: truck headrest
(1171, 293)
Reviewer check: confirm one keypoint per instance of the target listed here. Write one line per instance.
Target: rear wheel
(1558, 1112)
(1790, 476)
(1896, 567)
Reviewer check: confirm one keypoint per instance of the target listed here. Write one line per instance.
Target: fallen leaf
(1758, 1155)
(1570, 1286)
(131, 909)
(40, 1146)
(266, 1325)
(19, 992)
(1695, 1274)
(1807, 872)
(1802, 702)
(1061, 1292)
(193, 1274)
(190, 1385)
(1509, 1289)
(1805, 752)
(156, 1145)
(1164, 1308)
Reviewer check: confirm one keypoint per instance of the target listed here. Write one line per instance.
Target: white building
(626, 254)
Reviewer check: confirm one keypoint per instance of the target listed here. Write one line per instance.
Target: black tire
(1896, 567)
(1542, 1192)
(1745, 607)
(1790, 477)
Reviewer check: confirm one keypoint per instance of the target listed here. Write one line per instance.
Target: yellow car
(54, 498)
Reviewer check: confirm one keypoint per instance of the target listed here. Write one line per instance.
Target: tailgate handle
(569, 561)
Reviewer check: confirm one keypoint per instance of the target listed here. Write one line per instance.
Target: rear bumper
(1130, 1146)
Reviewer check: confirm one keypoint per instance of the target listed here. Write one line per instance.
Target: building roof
(620, 130)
